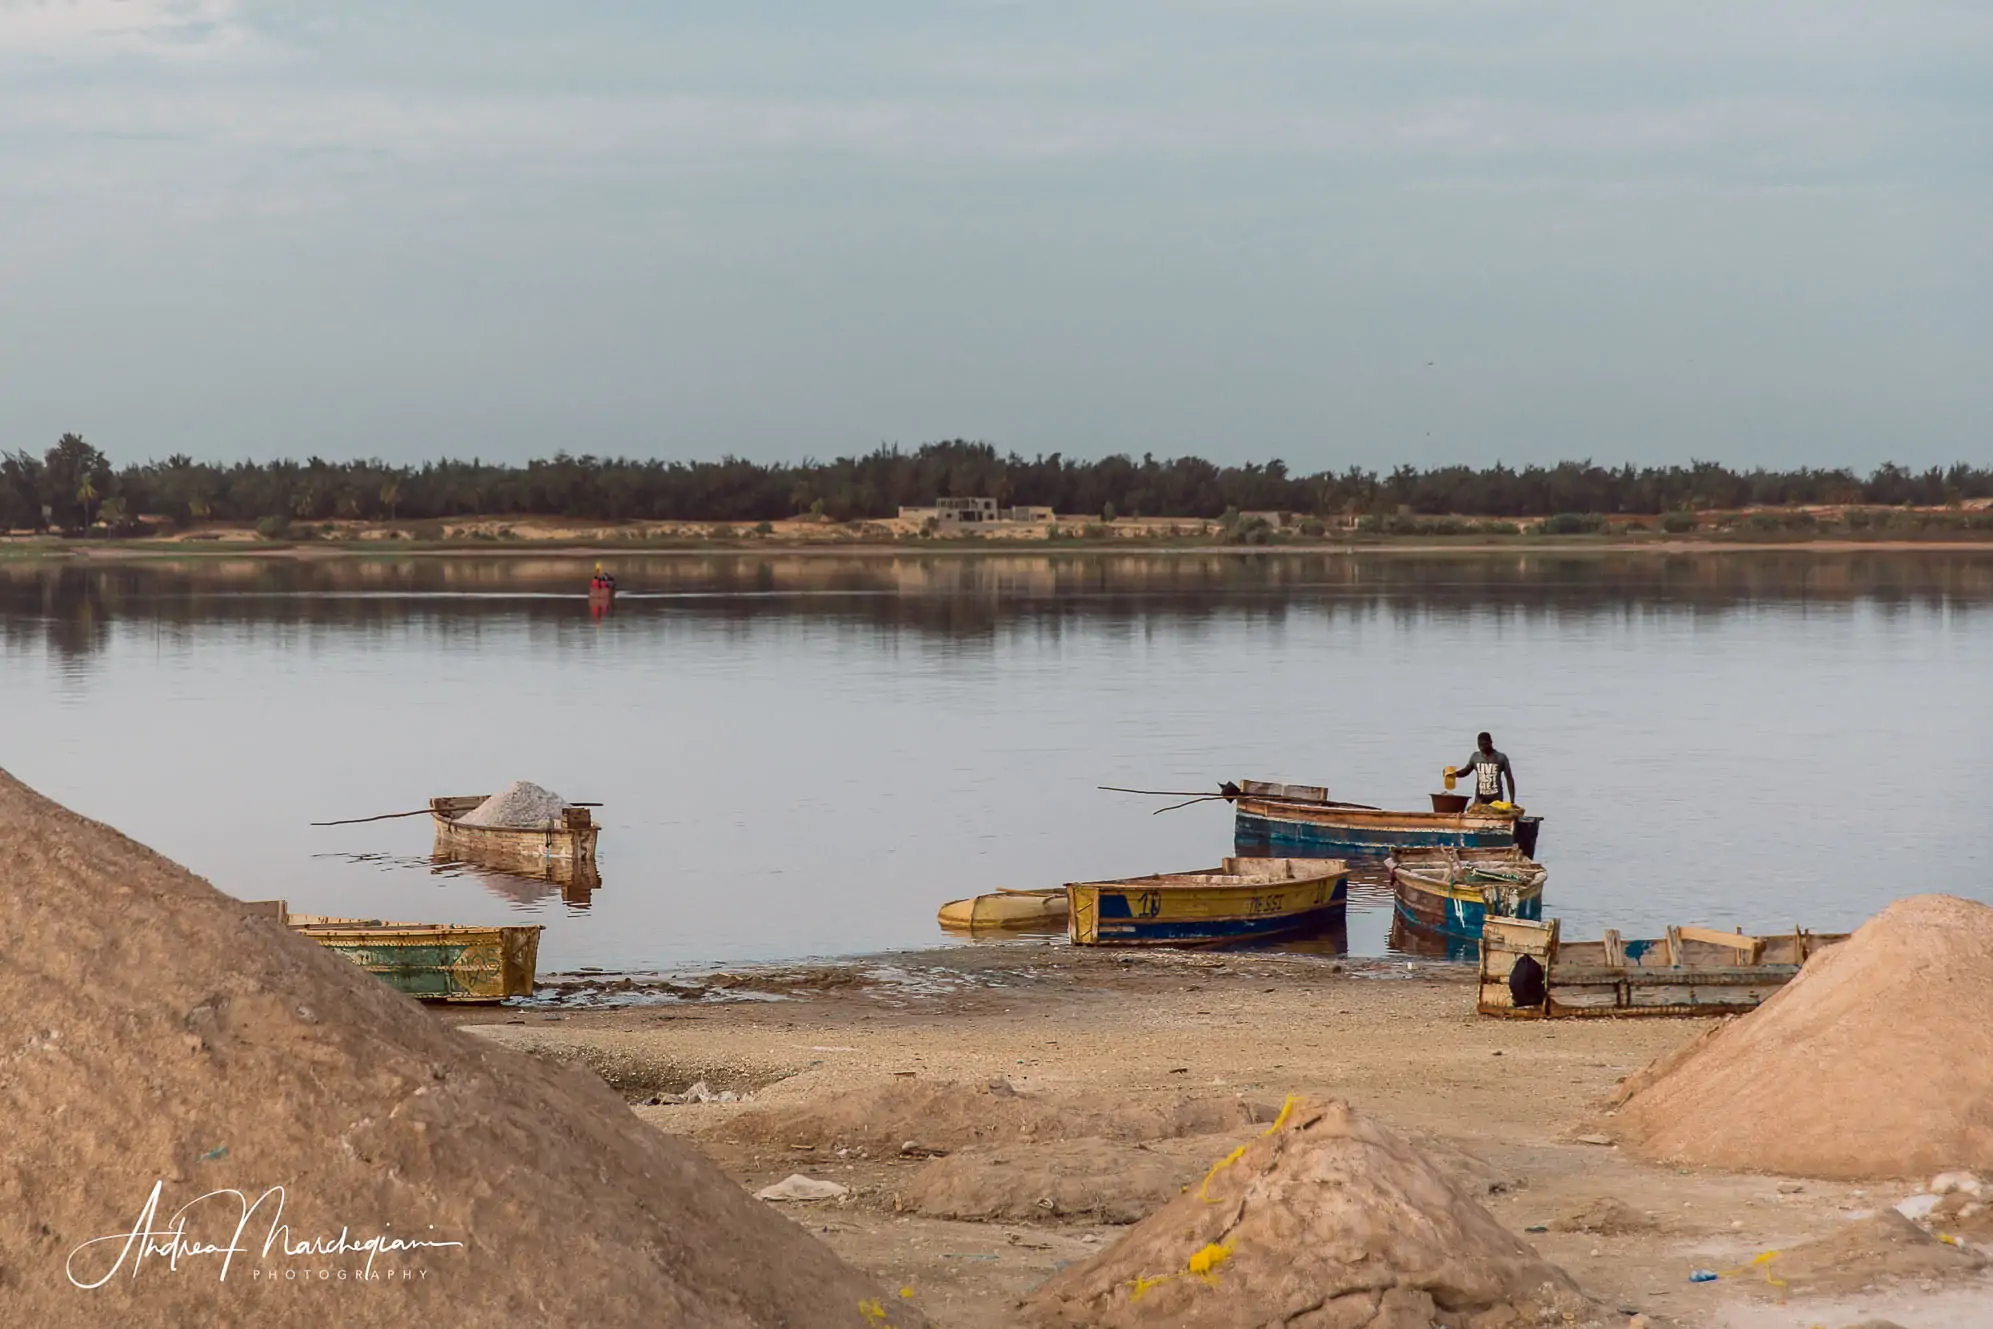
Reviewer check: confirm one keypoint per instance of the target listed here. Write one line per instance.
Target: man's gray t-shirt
(1487, 768)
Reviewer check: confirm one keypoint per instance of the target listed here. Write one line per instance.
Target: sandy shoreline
(1399, 1041)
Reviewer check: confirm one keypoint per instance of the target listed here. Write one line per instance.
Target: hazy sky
(1367, 232)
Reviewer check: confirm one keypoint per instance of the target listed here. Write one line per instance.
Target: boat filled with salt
(1269, 817)
(1455, 891)
(430, 961)
(1242, 899)
(522, 827)
(1528, 970)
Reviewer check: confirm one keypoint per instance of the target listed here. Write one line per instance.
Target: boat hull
(433, 961)
(1007, 911)
(1425, 897)
(1691, 971)
(525, 848)
(1454, 912)
(1297, 830)
(1197, 909)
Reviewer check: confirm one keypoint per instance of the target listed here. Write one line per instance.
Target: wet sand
(1399, 1041)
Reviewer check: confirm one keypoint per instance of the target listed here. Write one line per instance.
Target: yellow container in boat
(1448, 774)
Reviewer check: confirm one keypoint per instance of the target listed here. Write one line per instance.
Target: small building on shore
(955, 514)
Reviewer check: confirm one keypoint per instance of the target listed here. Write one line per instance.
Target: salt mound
(153, 1035)
(1870, 1252)
(1098, 1181)
(1325, 1220)
(520, 803)
(1876, 1061)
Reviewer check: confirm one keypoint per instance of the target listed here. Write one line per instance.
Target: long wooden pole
(1198, 795)
(419, 812)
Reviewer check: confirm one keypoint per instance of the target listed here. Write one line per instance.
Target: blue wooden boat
(1456, 891)
(1243, 899)
(1301, 821)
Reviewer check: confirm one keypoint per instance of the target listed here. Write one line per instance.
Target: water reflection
(574, 885)
(1410, 939)
(69, 605)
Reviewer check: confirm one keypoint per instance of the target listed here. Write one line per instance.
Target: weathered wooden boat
(1528, 970)
(1302, 821)
(1456, 891)
(1242, 899)
(569, 838)
(1007, 911)
(430, 961)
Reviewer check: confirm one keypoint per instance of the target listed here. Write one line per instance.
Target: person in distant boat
(1489, 768)
(602, 580)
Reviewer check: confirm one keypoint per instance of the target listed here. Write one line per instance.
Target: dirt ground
(1520, 1107)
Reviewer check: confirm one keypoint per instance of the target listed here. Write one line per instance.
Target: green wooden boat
(428, 961)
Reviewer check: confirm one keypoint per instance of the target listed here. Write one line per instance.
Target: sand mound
(947, 1114)
(1097, 1181)
(1869, 1252)
(1108, 1181)
(1876, 1061)
(1325, 1222)
(153, 1035)
(520, 803)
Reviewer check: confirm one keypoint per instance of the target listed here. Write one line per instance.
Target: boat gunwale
(1320, 869)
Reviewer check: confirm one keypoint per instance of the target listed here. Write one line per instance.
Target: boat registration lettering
(1262, 905)
(1149, 904)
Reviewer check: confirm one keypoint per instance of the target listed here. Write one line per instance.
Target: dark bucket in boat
(1449, 802)
(1526, 829)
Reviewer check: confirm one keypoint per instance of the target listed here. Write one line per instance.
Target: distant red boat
(601, 590)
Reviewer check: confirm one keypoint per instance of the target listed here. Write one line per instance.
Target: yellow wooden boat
(1243, 899)
(429, 961)
(1007, 911)
(571, 839)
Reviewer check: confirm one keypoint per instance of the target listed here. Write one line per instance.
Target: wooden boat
(522, 848)
(430, 961)
(1007, 911)
(1455, 891)
(1243, 899)
(1304, 822)
(1690, 971)
(600, 596)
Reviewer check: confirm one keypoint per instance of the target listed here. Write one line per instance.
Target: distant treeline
(73, 487)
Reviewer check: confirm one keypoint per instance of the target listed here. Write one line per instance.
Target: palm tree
(390, 496)
(86, 494)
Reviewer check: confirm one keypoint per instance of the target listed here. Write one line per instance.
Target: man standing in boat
(1489, 768)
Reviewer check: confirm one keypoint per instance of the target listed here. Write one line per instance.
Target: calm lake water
(804, 756)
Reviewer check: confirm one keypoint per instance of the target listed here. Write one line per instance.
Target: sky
(1362, 233)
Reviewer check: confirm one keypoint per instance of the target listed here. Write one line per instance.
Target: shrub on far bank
(274, 527)
(1679, 523)
(1572, 523)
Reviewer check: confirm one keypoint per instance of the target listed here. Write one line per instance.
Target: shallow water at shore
(806, 756)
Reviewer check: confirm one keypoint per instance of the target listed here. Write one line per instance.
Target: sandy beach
(1520, 1109)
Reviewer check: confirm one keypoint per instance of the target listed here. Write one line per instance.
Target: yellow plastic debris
(1209, 1259)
